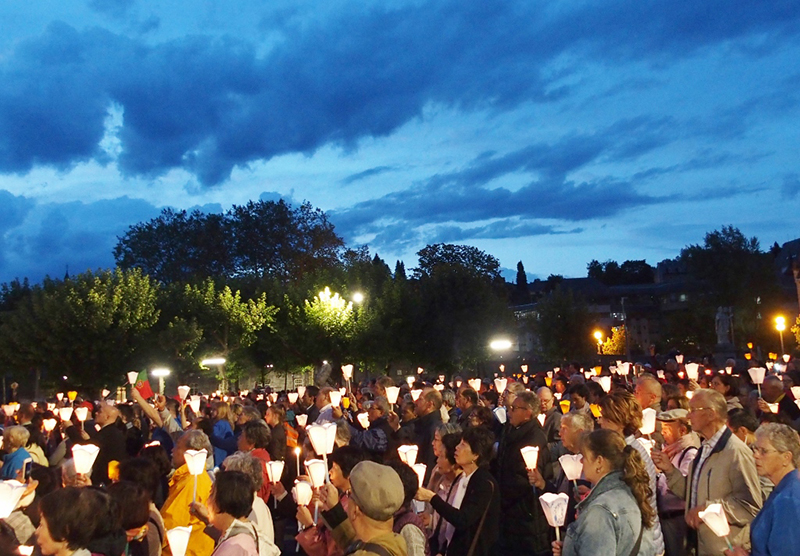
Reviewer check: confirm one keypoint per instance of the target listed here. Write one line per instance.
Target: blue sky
(548, 132)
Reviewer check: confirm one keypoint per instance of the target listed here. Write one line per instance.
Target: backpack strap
(638, 544)
(375, 549)
(480, 525)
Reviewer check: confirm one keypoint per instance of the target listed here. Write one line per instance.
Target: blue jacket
(221, 432)
(13, 462)
(775, 531)
(608, 522)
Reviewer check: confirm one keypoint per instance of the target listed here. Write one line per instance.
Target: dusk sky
(548, 132)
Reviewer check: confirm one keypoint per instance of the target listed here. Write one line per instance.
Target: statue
(722, 324)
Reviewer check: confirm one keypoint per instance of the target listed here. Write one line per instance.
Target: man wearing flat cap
(365, 527)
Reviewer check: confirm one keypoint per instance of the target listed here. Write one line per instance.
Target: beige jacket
(728, 477)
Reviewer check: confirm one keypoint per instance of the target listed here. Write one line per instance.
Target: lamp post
(599, 337)
(161, 373)
(218, 362)
(780, 326)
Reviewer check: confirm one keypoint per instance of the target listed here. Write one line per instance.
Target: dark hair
(622, 408)
(480, 441)
(409, 478)
(490, 396)
(142, 471)
(580, 390)
(75, 515)
(257, 433)
(450, 441)
(563, 380)
(742, 418)
(312, 391)
(279, 412)
(482, 414)
(621, 457)
(158, 455)
(204, 424)
(470, 395)
(134, 502)
(730, 381)
(232, 493)
(347, 457)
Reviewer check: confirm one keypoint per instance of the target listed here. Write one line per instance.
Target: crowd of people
(419, 468)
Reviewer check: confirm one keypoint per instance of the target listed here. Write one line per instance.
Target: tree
(615, 344)
(91, 328)
(521, 293)
(612, 273)
(462, 256)
(563, 326)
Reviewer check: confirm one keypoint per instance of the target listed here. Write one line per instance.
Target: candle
(297, 457)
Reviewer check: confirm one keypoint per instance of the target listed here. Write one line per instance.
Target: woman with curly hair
(616, 517)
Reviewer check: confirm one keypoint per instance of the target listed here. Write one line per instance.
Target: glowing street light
(599, 337)
(780, 326)
(358, 297)
(500, 344)
(161, 373)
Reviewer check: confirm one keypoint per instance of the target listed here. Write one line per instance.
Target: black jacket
(113, 447)
(425, 428)
(482, 493)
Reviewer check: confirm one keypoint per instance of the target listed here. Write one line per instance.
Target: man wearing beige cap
(365, 527)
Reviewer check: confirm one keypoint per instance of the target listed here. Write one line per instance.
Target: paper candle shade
(132, 376)
(555, 508)
(524, 368)
(588, 374)
(500, 415)
(408, 453)
(347, 371)
(596, 411)
(65, 413)
(81, 413)
(10, 493)
(757, 374)
(438, 387)
(679, 359)
(302, 493)
(178, 539)
(9, 410)
(275, 470)
(475, 384)
(317, 471)
(410, 380)
(786, 357)
(25, 550)
(531, 456)
(648, 421)
(363, 420)
(336, 398)
(557, 395)
(322, 437)
(541, 417)
(183, 391)
(605, 383)
(714, 517)
(773, 407)
(72, 394)
(661, 374)
(194, 403)
(689, 394)
(624, 368)
(796, 392)
(49, 424)
(500, 384)
(420, 469)
(565, 405)
(60, 396)
(292, 397)
(692, 370)
(572, 466)
(196, 461)
(415, 394)
(273, 397)
(391, 394)
(105, 392)
(301, 390)
(84, 456)
(302, 419)
(548, 381)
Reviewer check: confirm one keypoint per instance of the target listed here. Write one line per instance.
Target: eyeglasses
(696, 409)
(763, 451)
(513, 407)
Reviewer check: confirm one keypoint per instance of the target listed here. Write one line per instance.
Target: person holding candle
(407, 523)
(616, 517)
(379, 438)
(774, 531)
(229, 503)
(14, 440)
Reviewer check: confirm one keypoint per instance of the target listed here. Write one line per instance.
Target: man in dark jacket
(110, 439)
(523, 528)
(429, 417)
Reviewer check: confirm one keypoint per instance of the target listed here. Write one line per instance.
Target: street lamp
(358, 297)
(599, 337)
(161, 373)
(217, 362)
(500, 345)
(780, 326)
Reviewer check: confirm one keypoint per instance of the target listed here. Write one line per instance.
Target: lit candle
(297, 457)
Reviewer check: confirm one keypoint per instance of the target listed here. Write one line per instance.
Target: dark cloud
(376, 171)
(503, 229)
(208, 105)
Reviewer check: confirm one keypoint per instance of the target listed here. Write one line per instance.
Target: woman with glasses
(776, 529)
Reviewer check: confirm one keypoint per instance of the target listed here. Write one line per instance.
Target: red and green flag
(143, 385)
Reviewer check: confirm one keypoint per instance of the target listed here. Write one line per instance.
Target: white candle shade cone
(292, 397)
(500, 385)
(692, 370)
(624, 368)
(322, 437)
(363, 420)
(9, 410)
(415, 394)
(531, 456)
(572, 466)
(275, 470)
(65, 413)
(273, 397)
(10, 493)
(420, 469)
(301, 390)
(557, 395)
(773, 407)
(420, 370)
(178, 539)
(81, 413)
(475, 384)
(25, 550)
(757, 374)
(49, 424)
(336, 398)
(302, 419)
(317, 472)
(132, 376)
(648, 421)
(438, 387)
(588, 374)
(410, 380)
(770, 365)
(549, 374)
(84, 456)
(500, 415)
(714, 517)
(302, 493)
(555, 508)
(524, 368)
(689, 394)
(391, 394)
(786, 357)
(796, 392)
(343, 390)
(194, 403)
(60, 396)
(541, 417)
(347, 371)
(408, 453)
(196, 461)
(605, 383)
(660, 374)
(679, 359)
(105, 392)
(183, 391)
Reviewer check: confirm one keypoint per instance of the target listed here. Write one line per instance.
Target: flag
(143, 385)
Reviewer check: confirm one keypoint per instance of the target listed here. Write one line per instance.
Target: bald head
(106, 414)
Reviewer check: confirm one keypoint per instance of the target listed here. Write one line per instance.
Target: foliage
(563, 325)
(521, 294)
(615, 344)
(611, 273)
(464, 257)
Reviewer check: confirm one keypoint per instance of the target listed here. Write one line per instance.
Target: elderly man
(378, 438)
(323, 404)
(523, 529)
(723, 471)
(365, 527)
(176, 509)
(552, 415)
(773, 392)
(14, 441)
(111, 440)
(429, 417)
(466, 401)
(648, 394)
